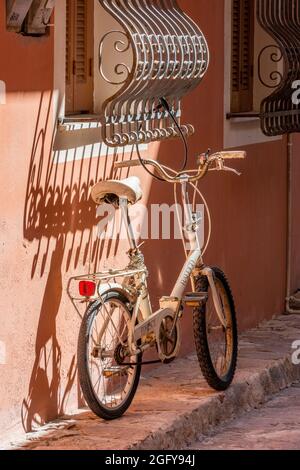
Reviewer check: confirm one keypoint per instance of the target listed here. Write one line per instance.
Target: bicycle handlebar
(127, 164)
(235, 154)
(204, 164)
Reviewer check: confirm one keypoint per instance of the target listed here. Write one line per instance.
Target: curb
(217, 410)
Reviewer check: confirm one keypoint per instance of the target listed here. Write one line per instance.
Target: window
(79, 56)
(252, 70)
(80, 26)
(242, 58)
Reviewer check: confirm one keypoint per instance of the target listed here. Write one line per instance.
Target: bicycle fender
(116, 287)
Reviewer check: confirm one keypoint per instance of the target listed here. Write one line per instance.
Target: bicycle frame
(119, 325)
(145, 325)
(150, 325)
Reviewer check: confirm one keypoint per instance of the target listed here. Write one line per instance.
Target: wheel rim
(219, 338)
(111, 383)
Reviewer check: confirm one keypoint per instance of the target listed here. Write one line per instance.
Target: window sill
(77, 131)
(79, 119)
(79, 137)
(243, 117)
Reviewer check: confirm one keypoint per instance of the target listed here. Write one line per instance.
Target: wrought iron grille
(281, 19)
(169, 58)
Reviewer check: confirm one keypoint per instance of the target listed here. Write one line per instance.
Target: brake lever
(221, 167)
(232, 170)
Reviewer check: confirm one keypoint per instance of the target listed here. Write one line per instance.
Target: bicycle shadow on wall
(60, 220)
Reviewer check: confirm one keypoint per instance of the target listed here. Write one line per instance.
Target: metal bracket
(16, 11)
(39, 16)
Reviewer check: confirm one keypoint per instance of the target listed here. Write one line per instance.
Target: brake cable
(163, 103)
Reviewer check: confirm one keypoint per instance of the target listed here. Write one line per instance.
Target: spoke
(218, 336)
(99, 378)
(112, 322)
(110, 390)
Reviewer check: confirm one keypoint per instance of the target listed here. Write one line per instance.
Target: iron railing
(281, 19)
(169, 58)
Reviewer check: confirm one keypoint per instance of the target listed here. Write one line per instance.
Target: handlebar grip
(127, 164)
(236, 154)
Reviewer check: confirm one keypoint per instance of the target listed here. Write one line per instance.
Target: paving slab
(174, 406)
(273, 426)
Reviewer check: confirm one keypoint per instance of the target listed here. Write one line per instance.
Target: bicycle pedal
(113, 371)
(195, 299)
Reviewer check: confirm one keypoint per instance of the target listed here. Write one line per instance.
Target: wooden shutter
(81, 41)
(242, 55)
(79, 56)
(69, 37)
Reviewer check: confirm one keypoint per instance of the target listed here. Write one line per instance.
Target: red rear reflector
(87, 288)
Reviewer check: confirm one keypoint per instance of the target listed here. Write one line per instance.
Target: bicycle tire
(89, 394)
(200, 327)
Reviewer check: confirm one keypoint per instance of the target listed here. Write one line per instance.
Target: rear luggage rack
(98, 279)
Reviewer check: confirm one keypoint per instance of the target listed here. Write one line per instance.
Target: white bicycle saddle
(111, 190)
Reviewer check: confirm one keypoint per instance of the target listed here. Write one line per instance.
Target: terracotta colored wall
(295, 273)
(26, 66)
(47, 225)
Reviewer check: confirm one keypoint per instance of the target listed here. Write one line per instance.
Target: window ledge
(243, 117)
(79, 118)
(79, 137)
(79, 121)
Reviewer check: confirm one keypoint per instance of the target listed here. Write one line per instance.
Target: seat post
(127, 221)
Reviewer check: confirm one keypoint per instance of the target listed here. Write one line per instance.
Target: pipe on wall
(289, 297)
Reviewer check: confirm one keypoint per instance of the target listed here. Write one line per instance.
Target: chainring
(168, 341)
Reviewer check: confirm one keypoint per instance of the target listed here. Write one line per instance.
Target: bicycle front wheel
(107, 386)
(216, 346)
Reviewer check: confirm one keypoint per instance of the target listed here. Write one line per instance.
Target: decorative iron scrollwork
(169, 58)
(120, 69)
(275, 55)
(281, 19)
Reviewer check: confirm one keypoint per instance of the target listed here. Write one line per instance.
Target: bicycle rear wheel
(107, 386)
(216, 346)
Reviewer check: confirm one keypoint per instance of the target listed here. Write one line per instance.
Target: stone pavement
(174, 407)
(274, 426)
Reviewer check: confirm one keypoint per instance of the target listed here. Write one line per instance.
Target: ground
(174, 407)
(274, 426)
